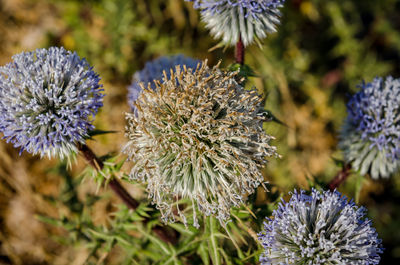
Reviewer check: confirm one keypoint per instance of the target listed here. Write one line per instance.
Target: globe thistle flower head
(47, 100)
(322, 228)
(370, 138)
(153, 70)
(197, 136)
(232, 20)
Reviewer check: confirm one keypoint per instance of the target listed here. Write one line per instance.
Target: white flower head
(197, 136)
(247, 20)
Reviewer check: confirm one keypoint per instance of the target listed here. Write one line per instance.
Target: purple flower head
(370, 138)
(47, 100)
(231, 19)
(153, 70)
(322, 228)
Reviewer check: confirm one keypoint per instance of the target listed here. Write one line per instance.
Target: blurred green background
(322, 50)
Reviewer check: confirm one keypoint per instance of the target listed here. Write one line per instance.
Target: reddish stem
(114, 184)
(343, 174)
(239, 53)
(123, 194)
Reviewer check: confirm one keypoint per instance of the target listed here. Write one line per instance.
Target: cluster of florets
(240, 19)
(47, 100)
(319, 229)
(370, 138)
(153, 70)
(197, 136)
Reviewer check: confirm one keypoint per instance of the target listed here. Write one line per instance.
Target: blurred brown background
(321, 51)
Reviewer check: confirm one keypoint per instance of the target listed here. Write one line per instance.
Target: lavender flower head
(197, 136)
(370, 138)
(245, 19)
(321, 228)
(47, 100)
(153, 70)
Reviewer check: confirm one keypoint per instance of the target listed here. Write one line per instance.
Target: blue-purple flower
(48, 98)
(235, 19)
(322, 228)
(370, 138)
(153, 70)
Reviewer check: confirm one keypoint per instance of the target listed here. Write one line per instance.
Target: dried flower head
(153, 70)
(47, 100)
(231, 19)
(198, 136)
(370, 138)
(323, 228)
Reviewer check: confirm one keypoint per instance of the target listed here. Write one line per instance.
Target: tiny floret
(323, 228)
(232, 20)
(153, 70)
(197, 136)
(370, 138)
(47, 100)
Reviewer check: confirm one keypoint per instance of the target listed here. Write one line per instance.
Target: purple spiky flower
(323, 228)
(48, 98)
(370, 138)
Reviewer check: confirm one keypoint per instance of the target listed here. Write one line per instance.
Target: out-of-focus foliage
(321, 51)
(133, 237)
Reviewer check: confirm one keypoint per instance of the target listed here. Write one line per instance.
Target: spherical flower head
(370, 138)
(197, 136)
(47, 100)
(321, 228)
(153, 70)
(245, 19)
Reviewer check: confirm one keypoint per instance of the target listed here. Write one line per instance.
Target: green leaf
(48, 220)
(228, 261)
(172, 259)
(338, 162)
(98, 132)
(212, 232)
(238, 232)
(188, 245)
(267, 116)
(202, 251)
(160, 244)
(101, 235)
(190, 231)
(251, 255)
(359, 184)
(119, 165)
(244, 72)
(123, 241)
